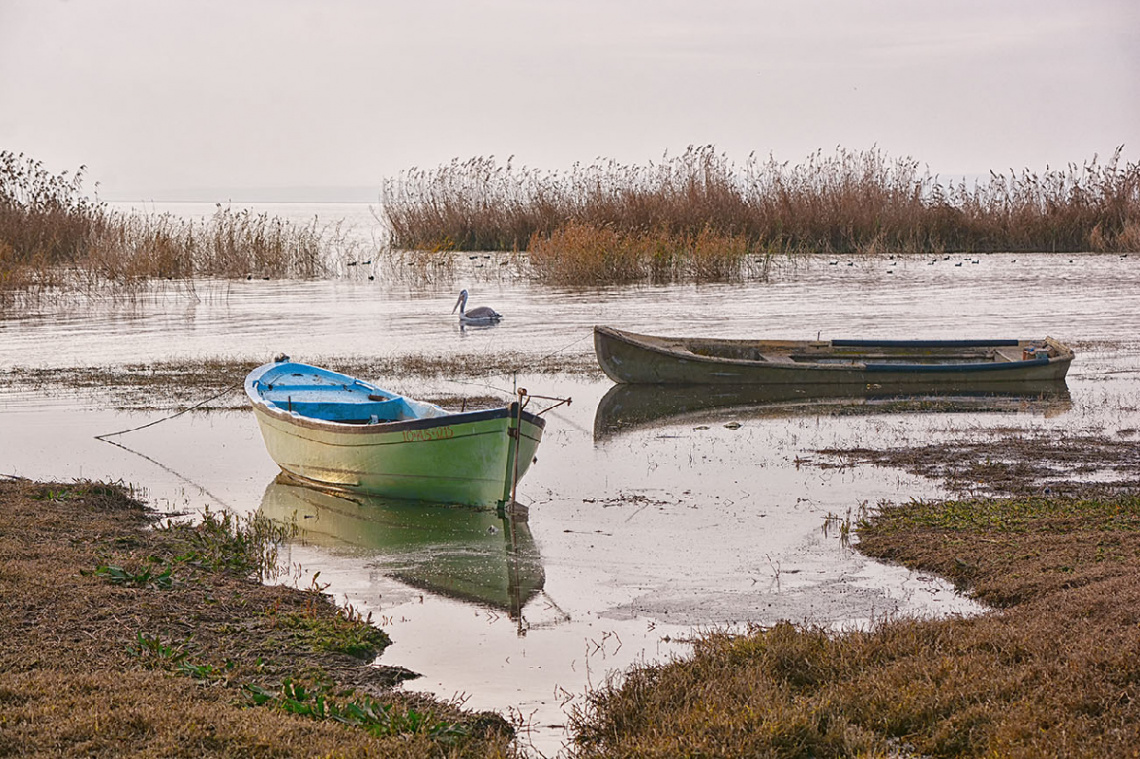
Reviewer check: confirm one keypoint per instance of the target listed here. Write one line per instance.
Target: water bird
(480, 315)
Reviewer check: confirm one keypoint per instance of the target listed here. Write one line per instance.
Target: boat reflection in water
(461, 552)
(631, 406)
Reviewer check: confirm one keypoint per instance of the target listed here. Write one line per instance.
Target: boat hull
(467, 458)
(628, 357)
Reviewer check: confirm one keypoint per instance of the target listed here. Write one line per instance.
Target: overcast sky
(192, 99)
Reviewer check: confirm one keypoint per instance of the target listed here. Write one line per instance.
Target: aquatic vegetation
(144, 578)
(54, 236)
(225, 542)
(583, 254)
(234, 244)
(1020, 464)
(376, 718)
(847, 203)
(45, 219)
(346, 632)
(178, 384)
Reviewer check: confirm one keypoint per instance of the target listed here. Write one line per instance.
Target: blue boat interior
(332, 397)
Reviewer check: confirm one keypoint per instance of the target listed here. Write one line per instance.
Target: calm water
(639, 534)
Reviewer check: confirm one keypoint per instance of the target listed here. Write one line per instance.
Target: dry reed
(850, 202)
(583, 254)
(54, 236)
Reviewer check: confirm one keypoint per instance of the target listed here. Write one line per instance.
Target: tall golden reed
(846, 203)
(51, 235)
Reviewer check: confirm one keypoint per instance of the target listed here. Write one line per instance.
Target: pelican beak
(456, 307)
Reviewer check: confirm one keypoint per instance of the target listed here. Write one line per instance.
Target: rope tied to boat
(561, 402)
(227, 391)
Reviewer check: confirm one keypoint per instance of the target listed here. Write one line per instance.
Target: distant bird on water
(480, 315)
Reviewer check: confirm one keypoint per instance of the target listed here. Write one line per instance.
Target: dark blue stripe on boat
(989, 366)
(465, 417)
(922, 343)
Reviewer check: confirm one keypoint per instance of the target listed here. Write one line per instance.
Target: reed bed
(627, 217)
(53, 236)
(583, 254)
(232, 244)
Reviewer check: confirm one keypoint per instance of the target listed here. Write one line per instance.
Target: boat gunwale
(447, 419)
(667, 346)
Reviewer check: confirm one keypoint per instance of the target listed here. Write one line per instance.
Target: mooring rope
(564, 348)
(517, 369)
(227, 391)
(179, 475)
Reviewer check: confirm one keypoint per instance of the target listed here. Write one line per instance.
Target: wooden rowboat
(634, 358)
(334, 431)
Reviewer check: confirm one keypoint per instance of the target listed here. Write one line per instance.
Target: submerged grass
(174, 384)
(1023, 464)
(106, 655)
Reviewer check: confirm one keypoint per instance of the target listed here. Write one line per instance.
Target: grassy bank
(120, 640)
(1054, 670)
(849, 202)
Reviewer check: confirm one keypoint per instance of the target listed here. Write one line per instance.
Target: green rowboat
(334, 431)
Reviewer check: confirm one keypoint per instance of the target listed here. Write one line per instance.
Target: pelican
(480, 315)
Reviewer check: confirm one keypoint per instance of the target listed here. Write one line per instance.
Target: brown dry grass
(1021, 464)
(76, 679)
(850, 202)
(54, 236)
(584, 254)
(1054, 672)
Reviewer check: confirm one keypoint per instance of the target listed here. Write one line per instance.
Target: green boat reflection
(460, 552)
(628, 406)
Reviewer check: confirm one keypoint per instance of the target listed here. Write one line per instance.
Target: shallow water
(640, 531)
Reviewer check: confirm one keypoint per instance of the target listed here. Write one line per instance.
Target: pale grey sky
(231, 99)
